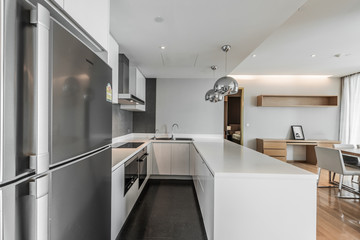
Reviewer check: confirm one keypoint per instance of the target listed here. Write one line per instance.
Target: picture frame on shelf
(298, 132)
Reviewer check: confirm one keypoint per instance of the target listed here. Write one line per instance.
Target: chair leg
(333, 178)
(318, 178)
(340, 184)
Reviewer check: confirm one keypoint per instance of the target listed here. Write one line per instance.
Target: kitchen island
(244, 194)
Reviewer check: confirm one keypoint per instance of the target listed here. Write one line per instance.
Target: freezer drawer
(80, 199)
(24, 211)
(81, 116)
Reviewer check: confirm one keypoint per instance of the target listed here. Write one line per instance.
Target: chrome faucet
(172, 130)
(156, 131)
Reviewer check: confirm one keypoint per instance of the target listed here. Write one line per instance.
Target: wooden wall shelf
(296, 101)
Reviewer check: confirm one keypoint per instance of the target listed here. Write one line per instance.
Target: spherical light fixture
(226, 85)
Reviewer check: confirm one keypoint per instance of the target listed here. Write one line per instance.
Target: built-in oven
(142, 160)
(131, 172)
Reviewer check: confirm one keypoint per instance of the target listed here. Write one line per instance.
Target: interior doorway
(233, 117)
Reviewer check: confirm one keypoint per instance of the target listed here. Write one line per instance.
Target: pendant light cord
(225, 62)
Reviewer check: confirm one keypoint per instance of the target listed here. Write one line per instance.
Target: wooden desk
(354, 151)
(277, 147)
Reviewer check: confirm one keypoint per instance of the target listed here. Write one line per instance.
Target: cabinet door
(118, 205)
(93, 16)
(113, 61)
(192, 159)
(140, 85)
(197, 181)
(208, 214)
(161, 158)
(180, 159)
(149, 159)
(59, 2)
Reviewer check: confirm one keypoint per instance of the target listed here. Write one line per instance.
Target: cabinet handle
(1, 216)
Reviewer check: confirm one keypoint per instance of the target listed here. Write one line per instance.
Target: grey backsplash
(144, 122)
(122, 121)
(125, 122)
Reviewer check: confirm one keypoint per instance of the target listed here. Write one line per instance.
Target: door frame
(241, 93)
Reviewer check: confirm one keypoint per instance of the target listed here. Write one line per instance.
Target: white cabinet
(59, 2)
(137, 87)
(180, 159)
(113, 61)
(140, 85)
(204, 186)
(161, 158)
(92, 15)
(192, 159)
(171, 159)
(118, 203)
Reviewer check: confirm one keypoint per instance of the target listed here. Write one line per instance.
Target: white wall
(275, 122)
(182, 101)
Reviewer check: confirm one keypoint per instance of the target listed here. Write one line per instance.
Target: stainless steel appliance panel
(18, 212)
(81, 116)
(17, 78)
(80, 202)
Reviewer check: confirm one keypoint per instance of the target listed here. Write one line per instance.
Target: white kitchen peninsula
(256, 196)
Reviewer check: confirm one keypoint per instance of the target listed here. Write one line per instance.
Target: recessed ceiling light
(162, 47)
(254, 55)
(158, 19)
(313, 55)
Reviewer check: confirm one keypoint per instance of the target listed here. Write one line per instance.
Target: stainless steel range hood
(125, 96)
(129, 99)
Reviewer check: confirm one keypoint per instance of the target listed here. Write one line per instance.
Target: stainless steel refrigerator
(55, 126)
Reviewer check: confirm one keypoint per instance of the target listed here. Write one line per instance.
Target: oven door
(131, 173)
(142, 168)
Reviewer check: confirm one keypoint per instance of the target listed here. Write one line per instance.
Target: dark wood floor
(167, 210)
(336, 218)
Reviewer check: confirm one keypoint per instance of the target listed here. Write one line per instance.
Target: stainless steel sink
(184, 139)
(172, 139)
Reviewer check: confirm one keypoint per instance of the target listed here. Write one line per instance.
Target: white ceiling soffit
(193, 32)
(322, 38)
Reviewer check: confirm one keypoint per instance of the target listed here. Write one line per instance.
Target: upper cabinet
(92, 15)
(131, 86)
(60, 3)
(113, 60)
(137, 87)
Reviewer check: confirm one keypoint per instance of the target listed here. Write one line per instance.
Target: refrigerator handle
(1, 215)
(40, 17)
(39, 189)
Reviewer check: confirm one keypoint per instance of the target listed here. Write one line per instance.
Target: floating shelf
(296, 101)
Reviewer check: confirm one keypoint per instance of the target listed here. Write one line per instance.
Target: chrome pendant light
(226, 85)
(212, 95)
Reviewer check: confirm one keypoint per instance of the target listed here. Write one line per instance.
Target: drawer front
(281, 158)
(275, 152)
(275, 145)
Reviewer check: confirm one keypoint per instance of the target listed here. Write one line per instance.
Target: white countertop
(223, 158)
(227, 158)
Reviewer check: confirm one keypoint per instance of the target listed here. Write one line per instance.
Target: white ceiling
(321, 27)
(193, 32)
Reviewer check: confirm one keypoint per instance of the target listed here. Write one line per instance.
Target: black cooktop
(131, 145)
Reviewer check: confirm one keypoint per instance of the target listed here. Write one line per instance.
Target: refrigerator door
(24, 210)
(80, 199)
(16, 89)
(81, 115)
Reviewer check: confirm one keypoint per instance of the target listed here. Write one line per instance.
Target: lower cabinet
(171, 159)
(118, 202)
(204, 186)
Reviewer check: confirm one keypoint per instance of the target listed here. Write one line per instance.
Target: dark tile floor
(166, 210)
